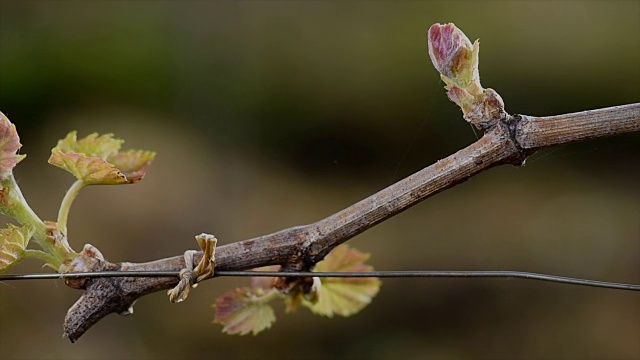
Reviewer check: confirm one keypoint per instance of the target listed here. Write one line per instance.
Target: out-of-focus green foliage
(311, 83)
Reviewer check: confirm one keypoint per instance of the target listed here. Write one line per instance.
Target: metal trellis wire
(379, 274)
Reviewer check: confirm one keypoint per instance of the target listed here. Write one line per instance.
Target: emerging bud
(453, 55)
(456, 59)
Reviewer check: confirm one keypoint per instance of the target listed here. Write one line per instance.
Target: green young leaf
(9, 145)
(94, 145)
(343, 296)
(97, 160)
(13, 242)
(91, 170)
(245, 311)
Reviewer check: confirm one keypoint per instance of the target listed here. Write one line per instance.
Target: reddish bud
(456, 59)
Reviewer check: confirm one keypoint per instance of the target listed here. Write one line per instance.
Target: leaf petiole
(65, 206)
(46, 257)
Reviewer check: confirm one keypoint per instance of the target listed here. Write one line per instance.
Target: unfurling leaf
(97, 160)
(343, 296)
(13, 242)
(9, 146)
(245, 311)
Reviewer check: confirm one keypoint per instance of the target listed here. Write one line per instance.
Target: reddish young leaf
(9, 146)
(243, 311)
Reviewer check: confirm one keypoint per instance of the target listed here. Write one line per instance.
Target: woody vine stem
(299, 248)
(507, 139)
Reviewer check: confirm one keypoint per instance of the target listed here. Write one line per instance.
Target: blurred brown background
(267, 115)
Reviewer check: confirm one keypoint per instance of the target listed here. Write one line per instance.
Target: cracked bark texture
(508, 141)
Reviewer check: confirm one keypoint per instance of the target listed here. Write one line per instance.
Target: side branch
(538, 132)
(494, 148)
(303, 246)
